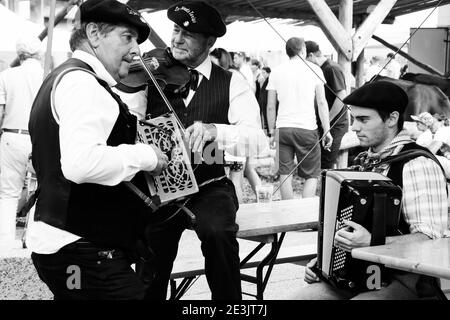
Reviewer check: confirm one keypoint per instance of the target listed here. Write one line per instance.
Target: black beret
(112, 11)
(380, 95)
(198, 17)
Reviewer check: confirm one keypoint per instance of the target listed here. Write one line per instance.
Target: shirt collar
(96, 65)
(205, 68)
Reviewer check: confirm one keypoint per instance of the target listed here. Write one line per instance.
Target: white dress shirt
(243, 137)
(86, 114)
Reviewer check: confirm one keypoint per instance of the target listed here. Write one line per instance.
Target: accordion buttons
(363, 201)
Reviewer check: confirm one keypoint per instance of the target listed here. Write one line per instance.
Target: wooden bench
(263, 224)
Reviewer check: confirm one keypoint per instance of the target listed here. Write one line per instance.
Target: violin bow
(327, 86)
(152, 77)
(161, 92)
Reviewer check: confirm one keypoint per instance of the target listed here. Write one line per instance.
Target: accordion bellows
(367, 198)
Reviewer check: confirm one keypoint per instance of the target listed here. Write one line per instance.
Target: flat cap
(379, 95)
(114, 12)
(198, 17)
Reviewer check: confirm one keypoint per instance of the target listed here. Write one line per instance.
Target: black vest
(395, 173)
(106, 215)
(210, 104)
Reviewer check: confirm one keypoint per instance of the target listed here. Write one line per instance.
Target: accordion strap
(378, 219)
(153, 202)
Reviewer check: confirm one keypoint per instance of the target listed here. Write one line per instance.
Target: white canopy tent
(13, 26)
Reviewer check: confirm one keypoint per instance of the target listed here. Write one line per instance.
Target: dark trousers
(215, 208)
(82, 271)
(338, 128)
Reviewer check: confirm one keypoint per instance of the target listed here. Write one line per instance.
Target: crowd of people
(81, 132)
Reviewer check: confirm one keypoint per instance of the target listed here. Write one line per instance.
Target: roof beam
(367, 28)
(334, 30)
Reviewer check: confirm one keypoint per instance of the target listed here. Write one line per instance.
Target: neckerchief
(369, 158)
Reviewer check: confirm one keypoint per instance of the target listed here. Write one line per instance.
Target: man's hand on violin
(352, 236)
(163, 161)
(198, 134)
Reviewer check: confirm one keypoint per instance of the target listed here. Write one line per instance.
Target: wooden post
(360, 70)
(48, 53)
(346, 20)
(333, 29)
(367, 28)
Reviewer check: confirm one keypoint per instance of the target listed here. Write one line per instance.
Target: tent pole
(51, 25)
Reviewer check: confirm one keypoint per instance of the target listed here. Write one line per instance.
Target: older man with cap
(220, 113)
(87, 221)
(377, 110)
(18, 88)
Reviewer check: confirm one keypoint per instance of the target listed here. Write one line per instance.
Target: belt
(88, 247)
(19, 131)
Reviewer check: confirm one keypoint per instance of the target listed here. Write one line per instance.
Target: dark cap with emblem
(198, 17)
(114, 12)
(379, 95)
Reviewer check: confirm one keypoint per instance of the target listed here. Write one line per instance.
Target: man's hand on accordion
(163, 161)
(310, 275)
(199, 133)
(353, 236)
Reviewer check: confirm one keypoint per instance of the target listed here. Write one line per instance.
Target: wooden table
(265, 223)
(429, 257)
(268, 223)
(259, 219)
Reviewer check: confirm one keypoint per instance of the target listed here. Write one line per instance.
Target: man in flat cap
(87, 222)
(18, 88)
(377, 113)
(220, 113)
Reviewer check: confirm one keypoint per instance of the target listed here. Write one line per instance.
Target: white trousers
(14, 152)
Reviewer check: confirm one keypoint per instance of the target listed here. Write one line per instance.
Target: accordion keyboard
(340, 256)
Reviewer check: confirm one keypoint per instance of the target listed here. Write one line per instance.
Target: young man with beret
(86, 221)
(377, 113)
(226, 116)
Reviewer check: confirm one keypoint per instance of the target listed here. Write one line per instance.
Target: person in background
(18, 88)
(297, 85)
(261, 95)
(240, 62)
(375, 68)
(393, 68)
(335, 92)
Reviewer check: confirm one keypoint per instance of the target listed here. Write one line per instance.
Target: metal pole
(51, 25)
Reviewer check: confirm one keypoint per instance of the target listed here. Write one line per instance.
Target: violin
(171, 75)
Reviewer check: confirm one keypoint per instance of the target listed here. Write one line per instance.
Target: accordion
(178, 180)
(367, 198)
